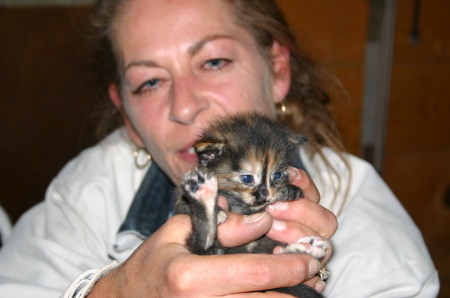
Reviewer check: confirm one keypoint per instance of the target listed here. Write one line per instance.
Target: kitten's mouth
(260, 206)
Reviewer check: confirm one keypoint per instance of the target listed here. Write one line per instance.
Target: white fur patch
(314, 246)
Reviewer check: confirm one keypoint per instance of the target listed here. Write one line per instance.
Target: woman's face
(184, 62)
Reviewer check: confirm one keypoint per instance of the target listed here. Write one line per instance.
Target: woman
(179, 64)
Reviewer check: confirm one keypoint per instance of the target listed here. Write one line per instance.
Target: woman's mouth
(188, 154)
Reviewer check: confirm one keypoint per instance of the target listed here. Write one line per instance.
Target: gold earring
(283, 109)
(139, 160)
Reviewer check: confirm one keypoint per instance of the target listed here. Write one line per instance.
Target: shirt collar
(152, 204)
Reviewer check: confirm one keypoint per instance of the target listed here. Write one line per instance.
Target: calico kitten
(244, 158)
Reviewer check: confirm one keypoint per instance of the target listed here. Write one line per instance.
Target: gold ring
(323, 273)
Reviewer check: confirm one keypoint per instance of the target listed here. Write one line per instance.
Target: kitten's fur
(245, 159)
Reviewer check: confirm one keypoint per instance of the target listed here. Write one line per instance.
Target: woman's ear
(281, 70)
(114, 95)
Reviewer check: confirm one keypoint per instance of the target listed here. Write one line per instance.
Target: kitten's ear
(208, 151)
(298, 139)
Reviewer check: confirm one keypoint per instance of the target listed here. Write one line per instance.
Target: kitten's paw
(201, 186)
(290, 193)
(314, 246)
(201, 190)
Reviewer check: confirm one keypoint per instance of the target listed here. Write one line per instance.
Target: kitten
(244, 158)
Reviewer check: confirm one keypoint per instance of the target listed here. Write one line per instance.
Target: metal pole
(377, 82)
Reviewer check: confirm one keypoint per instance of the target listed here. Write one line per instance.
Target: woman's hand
(305, 217)
(163, 267)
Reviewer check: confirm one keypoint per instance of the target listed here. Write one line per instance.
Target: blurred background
(392, 57)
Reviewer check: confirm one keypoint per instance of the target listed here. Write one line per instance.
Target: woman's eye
(148, 85)
(247, 178)
(277, 175)
(216, 64)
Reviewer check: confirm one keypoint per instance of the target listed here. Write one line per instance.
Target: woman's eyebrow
(196, 47)
(147, 63)
(192, 50)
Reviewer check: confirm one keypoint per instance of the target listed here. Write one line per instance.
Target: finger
(240, 229)
(316, 283)
(308, 213)
(176, 229)
(240, 273)
(289, 231)
(223, 203)
(302, 180)
(268, 294)
(237, 230)
(323, 261)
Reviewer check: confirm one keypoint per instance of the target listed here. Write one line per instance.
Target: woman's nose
(187, 101)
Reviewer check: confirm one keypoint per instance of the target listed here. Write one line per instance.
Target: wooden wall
(44, 102)
(417, 164)
(334, 33)
(45, 105)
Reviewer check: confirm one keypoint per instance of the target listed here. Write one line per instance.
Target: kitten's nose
(261, 194)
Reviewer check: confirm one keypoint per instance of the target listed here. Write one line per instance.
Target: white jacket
(378, 251)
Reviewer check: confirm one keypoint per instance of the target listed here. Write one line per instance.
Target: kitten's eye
(277, 175)
(247, 178)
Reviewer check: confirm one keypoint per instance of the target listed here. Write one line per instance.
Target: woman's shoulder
(102, 173)
(338, 176)
(112, 153)
(342, 163)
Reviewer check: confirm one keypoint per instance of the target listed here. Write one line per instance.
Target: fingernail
(279, 206)
(314, 267)
(278, 225)
(293, 173)
(320, 286)
(254, 217)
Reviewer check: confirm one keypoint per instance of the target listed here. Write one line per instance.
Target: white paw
(201, 185)
(314, 246)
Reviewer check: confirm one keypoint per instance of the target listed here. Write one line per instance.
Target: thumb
(241, 229)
